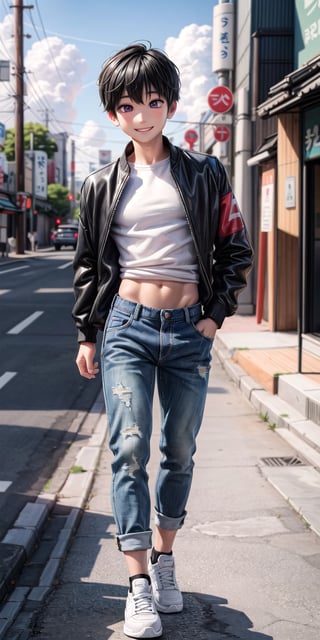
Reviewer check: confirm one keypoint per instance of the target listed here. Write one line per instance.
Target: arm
(85, 275)
(233, 255)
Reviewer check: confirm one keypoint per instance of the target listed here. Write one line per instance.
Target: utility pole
(19, 139)
(73, 178)
(19, 144)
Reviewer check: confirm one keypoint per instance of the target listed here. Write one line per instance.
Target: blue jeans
(138, 344)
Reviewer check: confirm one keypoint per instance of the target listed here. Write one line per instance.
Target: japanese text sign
(220, 99)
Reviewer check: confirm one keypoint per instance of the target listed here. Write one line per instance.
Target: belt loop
(187, 315)
(137, 311)
(114, 301)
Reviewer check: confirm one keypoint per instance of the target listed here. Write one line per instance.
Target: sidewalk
(247, 562)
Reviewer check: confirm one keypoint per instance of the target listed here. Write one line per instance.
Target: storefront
(8, 211)
(295, 101)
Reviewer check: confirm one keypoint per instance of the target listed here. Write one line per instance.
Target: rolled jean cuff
(171, 524)
(135, 541)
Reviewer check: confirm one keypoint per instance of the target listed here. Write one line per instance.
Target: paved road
(42, 397)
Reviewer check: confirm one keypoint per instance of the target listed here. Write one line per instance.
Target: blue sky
(71, 39)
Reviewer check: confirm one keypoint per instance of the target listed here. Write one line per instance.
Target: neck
(148, 153)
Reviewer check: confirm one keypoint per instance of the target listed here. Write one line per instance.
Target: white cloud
(54, 76)
(92, 138)
(7, 45)
(191, 52)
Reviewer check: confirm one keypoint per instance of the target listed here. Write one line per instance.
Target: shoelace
(166, 577)
(143, 602)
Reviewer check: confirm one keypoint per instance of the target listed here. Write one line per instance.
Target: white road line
(3, 291)
(6, 377)
(25, 323)
(65, 266)
(13, 269)
(4, 485)
(66, 290)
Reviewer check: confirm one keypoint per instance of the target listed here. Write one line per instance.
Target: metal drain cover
(282, 461)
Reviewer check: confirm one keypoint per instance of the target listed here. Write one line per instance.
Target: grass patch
(77, 469)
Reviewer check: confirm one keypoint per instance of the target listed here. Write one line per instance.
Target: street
(42, 396)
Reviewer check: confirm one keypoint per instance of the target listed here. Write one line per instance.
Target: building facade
(294, 103)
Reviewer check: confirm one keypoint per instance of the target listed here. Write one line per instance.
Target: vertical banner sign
(267, 201)
(2, 134)
(222, 39)
(40, 174)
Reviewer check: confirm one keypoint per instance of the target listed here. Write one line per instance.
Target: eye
(156, 104)
(125, 108)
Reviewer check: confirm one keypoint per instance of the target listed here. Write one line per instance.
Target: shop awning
(266, 151)
(299, 86)
(7, 205)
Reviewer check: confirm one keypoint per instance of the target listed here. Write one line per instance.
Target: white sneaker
(166, 593)
(141, 619)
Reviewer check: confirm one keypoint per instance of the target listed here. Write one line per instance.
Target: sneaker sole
(148, 632)
(173, 608)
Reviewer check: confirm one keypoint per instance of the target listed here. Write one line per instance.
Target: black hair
(136, 69)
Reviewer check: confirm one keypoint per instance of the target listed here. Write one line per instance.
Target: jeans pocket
(201, 334)
(118, 320)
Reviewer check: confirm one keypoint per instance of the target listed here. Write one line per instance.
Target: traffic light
(58, 221)
(70, 196)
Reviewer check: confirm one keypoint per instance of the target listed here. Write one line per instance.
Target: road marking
(65, 266)
(4, 485)
(66, 290)
(25, 323)
(14, 269)
(3, 291)
(6, 377)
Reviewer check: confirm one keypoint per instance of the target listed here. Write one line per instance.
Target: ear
(113, 118)
(172, 109)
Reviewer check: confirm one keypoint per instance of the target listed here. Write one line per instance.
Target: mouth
(144, 130)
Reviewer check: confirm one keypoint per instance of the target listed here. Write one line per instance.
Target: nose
(140, 115)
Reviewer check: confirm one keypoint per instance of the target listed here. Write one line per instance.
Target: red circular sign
(221, 133)
(191, 136)
(220, 99)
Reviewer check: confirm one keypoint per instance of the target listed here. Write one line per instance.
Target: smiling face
(143, 121)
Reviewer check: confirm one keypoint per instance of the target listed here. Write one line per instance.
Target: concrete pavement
(247, 562)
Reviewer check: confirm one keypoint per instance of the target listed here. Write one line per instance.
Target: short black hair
(136, 69)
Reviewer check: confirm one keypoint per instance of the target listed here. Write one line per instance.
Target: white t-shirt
(150, 227)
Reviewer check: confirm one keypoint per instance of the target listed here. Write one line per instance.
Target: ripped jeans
(140, 343)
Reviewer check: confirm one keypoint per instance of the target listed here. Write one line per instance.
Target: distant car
(66, 235)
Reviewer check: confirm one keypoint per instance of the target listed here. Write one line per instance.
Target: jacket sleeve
(85, 274)
(233, 255)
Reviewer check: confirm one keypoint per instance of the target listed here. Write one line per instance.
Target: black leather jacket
(221, 243)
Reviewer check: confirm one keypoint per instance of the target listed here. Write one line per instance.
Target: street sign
(220, 99)
(221, 133)
(191, 137)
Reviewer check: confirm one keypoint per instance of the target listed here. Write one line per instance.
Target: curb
(299, 485)
(21, 540)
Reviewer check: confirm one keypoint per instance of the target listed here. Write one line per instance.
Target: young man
(162, 255)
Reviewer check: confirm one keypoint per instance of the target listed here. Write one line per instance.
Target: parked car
(66, 235)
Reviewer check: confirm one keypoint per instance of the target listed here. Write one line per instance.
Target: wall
(288, 166)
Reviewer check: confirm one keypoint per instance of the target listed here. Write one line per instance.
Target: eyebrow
(149, 93)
